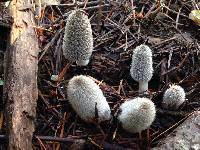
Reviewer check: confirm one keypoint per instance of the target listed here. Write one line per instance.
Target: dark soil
(117, 30)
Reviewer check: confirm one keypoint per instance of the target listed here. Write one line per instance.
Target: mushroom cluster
(86, 97)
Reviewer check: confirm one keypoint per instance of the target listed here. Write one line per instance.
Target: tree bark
(20, 89)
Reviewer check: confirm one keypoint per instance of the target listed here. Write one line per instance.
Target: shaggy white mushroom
(173, 97)
(137, 114)
(86, 98)
(78, 40)
(142, 66)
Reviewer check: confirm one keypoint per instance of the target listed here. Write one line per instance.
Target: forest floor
(118, 27)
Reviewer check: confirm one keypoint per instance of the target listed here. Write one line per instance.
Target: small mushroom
(137, 114)
(173, 97)
(142, 66)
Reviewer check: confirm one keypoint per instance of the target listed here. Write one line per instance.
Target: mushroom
(142, 66)
(78, 40)
(87, 99)
(173, 97)
(137, 114)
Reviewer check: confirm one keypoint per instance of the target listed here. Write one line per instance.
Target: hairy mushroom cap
(78, 39)
(173, 97)
(86, 98)
(142, 64)
(137, 114)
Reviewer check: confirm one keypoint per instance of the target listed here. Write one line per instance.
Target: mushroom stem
(82, 62)
(143, 86)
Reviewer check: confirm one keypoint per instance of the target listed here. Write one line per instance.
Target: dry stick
(120, 86)
(20, 90)
(177, 67)
(62, 73)
(133, 11)
(175, 12)
(89, 6)
(79, 4)
(99, 16)
(173, 113)
(195, 4)
(85, 3)
(41, 143)
(168, 6)
(97, 7)
(95, 144)
(177, 18)
(151, 12)
(61, 130)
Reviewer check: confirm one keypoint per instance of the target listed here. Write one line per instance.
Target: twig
(175, 12)
(96, 7)
(177, 67)
(41, 143)
(177, 18)
(173, 113)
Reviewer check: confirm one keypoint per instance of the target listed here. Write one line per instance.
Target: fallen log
(20, 89)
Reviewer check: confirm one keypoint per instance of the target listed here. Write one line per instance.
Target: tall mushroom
(142, 66)
(78, 40)
(87, 99)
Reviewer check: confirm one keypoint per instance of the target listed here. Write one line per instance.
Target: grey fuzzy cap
(78, 40)
(173, 97)
(142, 64)
(137, 114)
(83, 94)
